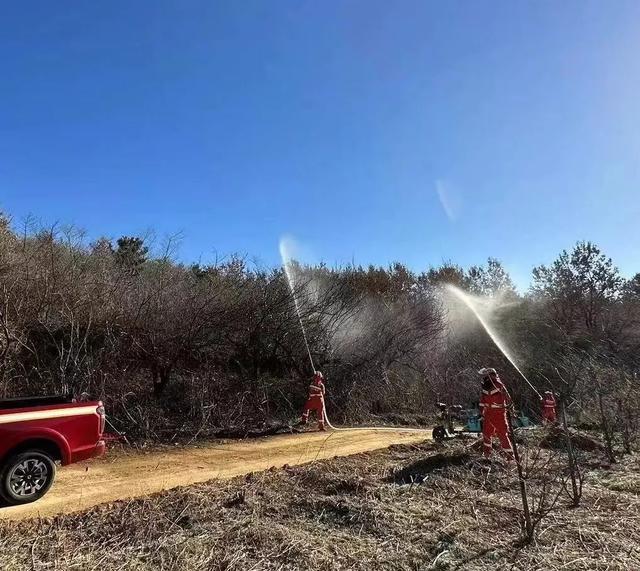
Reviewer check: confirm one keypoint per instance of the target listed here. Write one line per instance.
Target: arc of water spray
(465, 299)
(290, 280)
(304, 333)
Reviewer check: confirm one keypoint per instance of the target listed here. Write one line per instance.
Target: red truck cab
(35, 433)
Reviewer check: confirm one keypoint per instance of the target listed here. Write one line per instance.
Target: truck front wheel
(26, 477)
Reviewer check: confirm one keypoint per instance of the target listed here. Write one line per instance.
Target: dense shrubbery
(174, 347)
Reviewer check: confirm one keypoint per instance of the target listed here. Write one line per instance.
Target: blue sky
(414, 131)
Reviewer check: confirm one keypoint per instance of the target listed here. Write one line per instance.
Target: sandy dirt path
(124, 476)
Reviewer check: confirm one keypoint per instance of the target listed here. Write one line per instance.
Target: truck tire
(26, 477)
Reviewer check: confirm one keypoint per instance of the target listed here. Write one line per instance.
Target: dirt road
(126, 476)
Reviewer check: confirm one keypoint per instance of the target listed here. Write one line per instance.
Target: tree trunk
(606, 429)
(575, 499)
(161, 377)
(528, 522)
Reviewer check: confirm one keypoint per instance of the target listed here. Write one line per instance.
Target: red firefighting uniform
(315, 401)
(493, 405)
(549, 408)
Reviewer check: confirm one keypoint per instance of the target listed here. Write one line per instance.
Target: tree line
(178, 348)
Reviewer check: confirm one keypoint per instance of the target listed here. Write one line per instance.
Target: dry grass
(347, 513)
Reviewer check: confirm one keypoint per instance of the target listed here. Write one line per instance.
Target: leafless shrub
(205, 345)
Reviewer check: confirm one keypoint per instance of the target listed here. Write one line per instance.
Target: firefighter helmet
(486, 371)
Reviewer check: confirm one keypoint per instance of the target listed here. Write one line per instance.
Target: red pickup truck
(35, 433)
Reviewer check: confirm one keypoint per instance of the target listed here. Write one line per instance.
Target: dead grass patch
(347, 513)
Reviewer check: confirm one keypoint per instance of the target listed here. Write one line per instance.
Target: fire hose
(394, 428)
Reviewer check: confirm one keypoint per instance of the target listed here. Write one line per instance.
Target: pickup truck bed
(27, 402)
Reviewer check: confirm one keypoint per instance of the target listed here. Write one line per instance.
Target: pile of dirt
(555, 438)
(417, 472)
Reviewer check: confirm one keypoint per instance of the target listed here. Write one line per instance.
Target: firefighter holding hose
(549, 415)
(315, 400)
(495, 403)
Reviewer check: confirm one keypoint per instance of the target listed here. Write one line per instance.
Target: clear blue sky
(374, 131)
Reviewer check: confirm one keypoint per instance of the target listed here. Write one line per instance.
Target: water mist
(469, 302)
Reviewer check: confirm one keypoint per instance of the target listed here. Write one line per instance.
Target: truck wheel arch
(44, 443)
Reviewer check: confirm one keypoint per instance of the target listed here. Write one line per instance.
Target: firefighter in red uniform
(494, 402)
(315, 400)
(549, 415)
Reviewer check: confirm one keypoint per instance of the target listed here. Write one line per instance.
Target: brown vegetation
(350, 513)
(187, 350)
